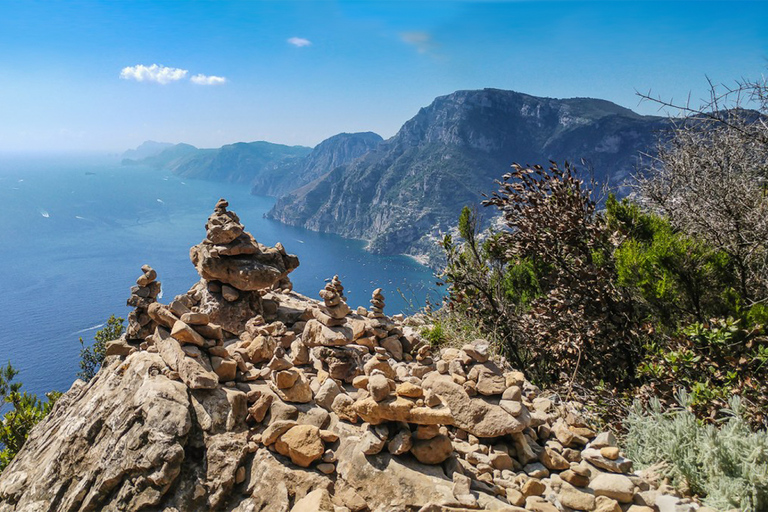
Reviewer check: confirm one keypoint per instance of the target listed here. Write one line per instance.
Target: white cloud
(299, 42)
(154, 73)
(201, 79)
(421, 40)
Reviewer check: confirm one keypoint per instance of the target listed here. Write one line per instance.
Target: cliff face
(249, 397)
(331, 153)
(401, 194)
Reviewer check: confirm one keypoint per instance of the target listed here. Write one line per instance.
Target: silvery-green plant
(725, 464)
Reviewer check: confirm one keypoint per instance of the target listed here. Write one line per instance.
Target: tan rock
(344, 406)
(318, 500)
(302, 443)
(185, 334)
(606, 504)
(192, 318)
(432, 451)
(574, 479)
(196, 373)
(260, 407)
(378, 387)
(275, 430)
(553, 460)
(617, 487)
(539, 504)
(533, 487)
(161, 315)
(478, 417)
(576, 499)
(610, 452)
(226, 369)
(285, 378)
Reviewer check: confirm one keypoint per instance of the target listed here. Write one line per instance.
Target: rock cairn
(377, 304)
(143, 294)
(236, 271)
(381, 421)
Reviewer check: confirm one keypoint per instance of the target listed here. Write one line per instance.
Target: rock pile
(236, 271)
(311, 407)
(377, 304)
(143, 294)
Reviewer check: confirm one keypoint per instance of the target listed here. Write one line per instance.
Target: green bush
(91, 357)
(25, 411)
(677, 276)
(727, 464)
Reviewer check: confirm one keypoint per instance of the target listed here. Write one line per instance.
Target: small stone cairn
(334, 311)
(143, 294)
(377, 304)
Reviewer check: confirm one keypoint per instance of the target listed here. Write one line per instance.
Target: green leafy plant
(92, 356)
(24, 411)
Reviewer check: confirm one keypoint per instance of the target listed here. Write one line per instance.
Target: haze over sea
(74, 232)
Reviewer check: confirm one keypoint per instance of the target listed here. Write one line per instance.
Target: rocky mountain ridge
(269, 169)
(242, 395)
(401, 195)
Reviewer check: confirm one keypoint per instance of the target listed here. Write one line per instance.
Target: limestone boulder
(302, 443)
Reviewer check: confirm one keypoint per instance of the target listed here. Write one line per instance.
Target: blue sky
(299, 72)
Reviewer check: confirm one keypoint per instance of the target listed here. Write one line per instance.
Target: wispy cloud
(154, 73)
(201, 79)
(299, 42)
(422, 41)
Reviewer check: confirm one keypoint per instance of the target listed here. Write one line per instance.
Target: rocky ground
(244, 395)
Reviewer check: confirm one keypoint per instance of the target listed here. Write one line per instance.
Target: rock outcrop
(308, 406)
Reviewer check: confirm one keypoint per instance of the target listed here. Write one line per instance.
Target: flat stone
(185, 334)
(476, 416)
(192, 318)
(617, 487)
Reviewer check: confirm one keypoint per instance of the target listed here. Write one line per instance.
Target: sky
(108, 75)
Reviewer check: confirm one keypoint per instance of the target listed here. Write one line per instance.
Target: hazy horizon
(107, 76)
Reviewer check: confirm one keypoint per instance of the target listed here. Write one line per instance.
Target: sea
(75, 230)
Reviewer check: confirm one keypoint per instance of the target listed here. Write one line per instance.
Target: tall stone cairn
(144, 293)
(237, 272)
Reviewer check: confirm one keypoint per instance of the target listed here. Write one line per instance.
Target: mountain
(326, 156)
(241, 162)
(403, 193)
(146, 149)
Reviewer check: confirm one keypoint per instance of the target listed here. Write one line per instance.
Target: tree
(25, 411)
(92, 357)
(710, 179)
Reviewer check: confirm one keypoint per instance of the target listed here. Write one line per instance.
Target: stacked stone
(377, 304)
(336, 283)
(143, 294)
(334, 310)
(192, 347)
(236, 271)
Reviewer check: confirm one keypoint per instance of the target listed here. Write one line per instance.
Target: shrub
(725, 464)
(679, 277)
(25, 411)
(710, 177)
(92, 357)
(547, 282)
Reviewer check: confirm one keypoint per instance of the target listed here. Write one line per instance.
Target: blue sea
(75, 230)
